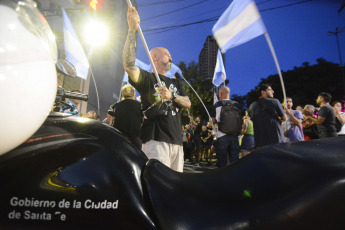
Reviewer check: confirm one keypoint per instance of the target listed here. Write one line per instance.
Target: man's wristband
(172, 97)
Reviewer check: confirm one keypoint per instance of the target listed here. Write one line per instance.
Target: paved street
(190, 168)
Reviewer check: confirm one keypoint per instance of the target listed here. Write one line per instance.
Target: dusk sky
(298, 30)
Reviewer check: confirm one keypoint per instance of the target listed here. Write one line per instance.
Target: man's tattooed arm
(130, 49)
(183, 101)
(129, 56)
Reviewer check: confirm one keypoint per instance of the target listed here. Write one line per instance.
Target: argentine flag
(174, 69)
(74, 51)
(240, 23)
(170, 74)
(219, 71)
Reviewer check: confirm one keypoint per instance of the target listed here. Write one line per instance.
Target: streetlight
(96, 33)
(337, 31)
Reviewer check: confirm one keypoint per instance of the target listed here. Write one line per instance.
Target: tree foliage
(302, 83)
(204, 89)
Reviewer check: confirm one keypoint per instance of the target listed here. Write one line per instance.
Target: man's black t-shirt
(197, 131)
(166, 128)
(204, 134)
(267, 129)
(128, 117)
(327, 129)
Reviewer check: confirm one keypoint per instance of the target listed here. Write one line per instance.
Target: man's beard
(167, 66)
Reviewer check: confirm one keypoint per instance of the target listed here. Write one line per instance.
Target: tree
(241, 101)
(203, 87)
(304, 83)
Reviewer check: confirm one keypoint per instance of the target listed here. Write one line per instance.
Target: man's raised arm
(129, 51)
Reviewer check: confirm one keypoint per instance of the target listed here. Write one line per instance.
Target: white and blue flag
(215, 97)
(240, 23)
(174, 69)
(74, 51)
(219, 71)
(170, 74)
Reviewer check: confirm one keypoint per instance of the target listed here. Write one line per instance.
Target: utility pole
(337, 31)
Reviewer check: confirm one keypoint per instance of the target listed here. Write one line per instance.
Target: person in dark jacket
(126, 115)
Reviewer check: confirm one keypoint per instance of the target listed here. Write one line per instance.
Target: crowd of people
(154, 124)
(291, 125)
(198, 141)
(267, 121)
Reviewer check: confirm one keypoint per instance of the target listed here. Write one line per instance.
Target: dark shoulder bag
(274, 116)
(156, 110)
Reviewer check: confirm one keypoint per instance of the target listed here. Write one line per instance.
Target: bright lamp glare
(96, 33)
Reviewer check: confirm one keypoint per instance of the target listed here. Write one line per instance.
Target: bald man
(227, 146)
(161, 134)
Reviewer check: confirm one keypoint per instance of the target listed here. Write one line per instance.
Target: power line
(183, 25)
(263, 2)
(168, 28)
(278, 7)
(174, 10)
(158, 3)
(222, 8)
(338, 31)
(210, 11)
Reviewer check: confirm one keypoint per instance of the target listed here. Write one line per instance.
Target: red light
(94, 4)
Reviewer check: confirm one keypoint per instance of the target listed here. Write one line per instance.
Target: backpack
(230, 119)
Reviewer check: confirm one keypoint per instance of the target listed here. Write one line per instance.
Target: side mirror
(65, 67)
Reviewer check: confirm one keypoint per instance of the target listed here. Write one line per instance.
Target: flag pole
(147, 50)
(94, 82)
(214, 128)
(277, 64)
